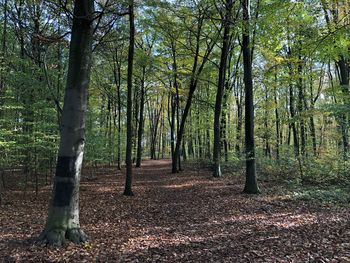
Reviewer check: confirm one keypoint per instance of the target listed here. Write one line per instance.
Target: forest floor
(187, 217)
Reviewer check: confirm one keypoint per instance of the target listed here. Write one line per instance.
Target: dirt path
(188, 217)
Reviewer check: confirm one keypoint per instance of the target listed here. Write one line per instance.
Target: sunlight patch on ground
(176, 186)
(103, 189)
(286, 220)
(147, 241)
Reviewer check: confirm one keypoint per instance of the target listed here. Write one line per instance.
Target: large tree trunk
(220, 90)
(251, 184)
(63, 217)
(128, 179)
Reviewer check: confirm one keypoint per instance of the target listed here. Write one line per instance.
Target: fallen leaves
(187, 217)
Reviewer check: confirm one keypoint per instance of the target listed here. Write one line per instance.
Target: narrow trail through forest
(186, 217)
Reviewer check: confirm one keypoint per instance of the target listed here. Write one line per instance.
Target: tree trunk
(117, 81)
(3, 55)
(220, 90)
(197, 68)
(292, 112)
(63, 217)
(251, 184)
(129, 134)
(300, 106)
(223, 128)
(238, 95)
(119, 124)
(140, 130)
(277, 121)
(171, 111)
(344, 83)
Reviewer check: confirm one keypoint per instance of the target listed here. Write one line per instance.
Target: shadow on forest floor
(187, 217)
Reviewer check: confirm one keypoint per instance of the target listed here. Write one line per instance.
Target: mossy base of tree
(58, 237)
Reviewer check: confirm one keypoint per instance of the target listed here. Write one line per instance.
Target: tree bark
(128, 159)
(140, 130)
(251, 184)
(300, 105)
(238, 98)
(344, 83)
(220, 90)
(3, 55)
(277, 120)
(63, 217)
(292, 111)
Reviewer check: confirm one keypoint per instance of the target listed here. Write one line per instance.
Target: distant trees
(201, 49)
(178, 83)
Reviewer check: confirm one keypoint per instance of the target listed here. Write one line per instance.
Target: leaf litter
(185, 217)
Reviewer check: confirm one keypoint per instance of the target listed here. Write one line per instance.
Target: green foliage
(332, 194)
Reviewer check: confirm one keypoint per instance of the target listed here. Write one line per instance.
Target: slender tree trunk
(129, 133)
(208, 144)
(199, 135)
(267, 152)
(220, 90)
(3, 55)
(292, 112)
(344, 69)
(175, 102)
(208, 139)
(119, 128)
(238, 95)
(63, 217)
(172, 123)
(251, 184)
(117, 81)
(300, 106)
(184, 155)
(140, 130)
(223, 127)
(164, 139)
(311, 118)
(277, 121)
(197, 68)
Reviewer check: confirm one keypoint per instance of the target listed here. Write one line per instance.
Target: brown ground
(188, 217)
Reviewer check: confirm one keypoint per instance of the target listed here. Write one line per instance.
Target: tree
(221, 86)
(199, 61)
(251, 184)
(63, 216)
(129, 133)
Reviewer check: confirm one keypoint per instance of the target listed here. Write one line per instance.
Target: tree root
(58, 237)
